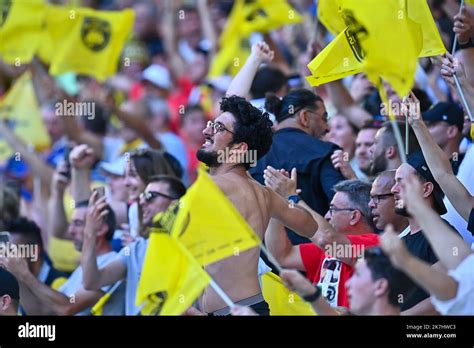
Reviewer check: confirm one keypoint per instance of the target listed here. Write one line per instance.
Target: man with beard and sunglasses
(159, 194)
(416, 242)
(242, 132)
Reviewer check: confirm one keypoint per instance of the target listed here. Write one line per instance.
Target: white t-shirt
(466, 177)
(463, 303)
(74, 283)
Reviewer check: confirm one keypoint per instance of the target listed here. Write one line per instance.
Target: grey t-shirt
(133, 256)
(74, 283)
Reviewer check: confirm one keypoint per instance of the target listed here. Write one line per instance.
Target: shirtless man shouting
(242, 132)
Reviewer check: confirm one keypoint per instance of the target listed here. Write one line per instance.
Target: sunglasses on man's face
(148, 196)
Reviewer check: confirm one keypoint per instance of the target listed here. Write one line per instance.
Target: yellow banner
(20, 107)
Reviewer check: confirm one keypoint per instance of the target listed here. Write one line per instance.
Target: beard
(208, 157)
(378, 165)
(401, 210)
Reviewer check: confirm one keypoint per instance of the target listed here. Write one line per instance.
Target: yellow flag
(389, 39)
(20, 29)
(20, 107)
(87, 41)
(265, 15)
(209, 225)
(281, 300)
(171, 279)
(341, 58)
(245, 18)
(419, 12)
(330, 16)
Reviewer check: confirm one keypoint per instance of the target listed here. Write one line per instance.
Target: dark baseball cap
(417, 161)
(451, 113)
(9, 285)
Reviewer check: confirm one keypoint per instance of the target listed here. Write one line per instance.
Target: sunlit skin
(76, 227)
(365, 139)
(157, 204)
(383, 212)
(133, 182)
(366, 295)
(341, 133)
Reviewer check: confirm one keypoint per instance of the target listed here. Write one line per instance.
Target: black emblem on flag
(158, 298)
(5, 6)
(355, 33)
(95, 33)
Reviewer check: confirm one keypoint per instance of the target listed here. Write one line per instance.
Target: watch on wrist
(294, 198)
(468, 44)
(313, 297)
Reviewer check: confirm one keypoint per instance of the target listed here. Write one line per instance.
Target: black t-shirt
(419, 246)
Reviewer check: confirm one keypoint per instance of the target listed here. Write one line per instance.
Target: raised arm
(57, 223)
(463, 26)
(241, 83)
(439, 165)
(81, 158)
(50, 301)
(177, 64)
(92, 277)
(207, 26)
(35, 162)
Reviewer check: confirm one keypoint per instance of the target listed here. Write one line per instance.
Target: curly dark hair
(252, 126)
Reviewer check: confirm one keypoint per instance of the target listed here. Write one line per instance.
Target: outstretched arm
(439, 164)
(34, 161)
(241, 83)
(279, 245)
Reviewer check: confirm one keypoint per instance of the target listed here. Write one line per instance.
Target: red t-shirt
(329, 272)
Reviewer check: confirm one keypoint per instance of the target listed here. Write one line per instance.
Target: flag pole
(221, 294)
(393, 122)
(271, 258)
(456, 80)
(456, 36)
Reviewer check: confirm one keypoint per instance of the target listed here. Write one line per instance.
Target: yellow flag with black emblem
(87, 41)
(209, 225)
(20, 29)
(246, 17)
(171, 278)
(21, 109)
(281, 300)
(389, 39)
(341, 58)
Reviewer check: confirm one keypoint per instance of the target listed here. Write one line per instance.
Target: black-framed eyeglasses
(148, 196)
(217, 127)
(333, 209)
(377, 198)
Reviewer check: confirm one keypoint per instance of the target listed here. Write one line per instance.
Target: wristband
(294, 198)
(314, 297)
